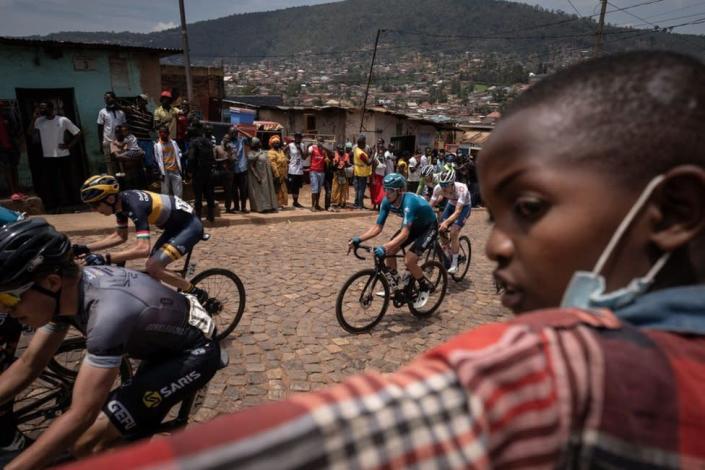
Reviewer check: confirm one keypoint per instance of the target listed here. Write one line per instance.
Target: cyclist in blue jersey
(418, 229)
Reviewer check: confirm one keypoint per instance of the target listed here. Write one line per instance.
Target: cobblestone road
(289, 339)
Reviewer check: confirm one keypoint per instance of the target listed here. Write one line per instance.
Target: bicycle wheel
(423, 305)
(68, 358)
(358, 307)
(464, 257)
(38, 405)
(226, 302)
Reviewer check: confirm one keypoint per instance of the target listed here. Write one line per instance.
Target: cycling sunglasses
(445, 185)
(11, 298)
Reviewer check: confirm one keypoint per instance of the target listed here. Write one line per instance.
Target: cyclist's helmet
(447, 177)
(427, 171)
(96, 188)
(27, 247)
(394, 181)
(450, 159)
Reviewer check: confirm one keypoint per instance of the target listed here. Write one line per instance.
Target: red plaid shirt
(552, 389)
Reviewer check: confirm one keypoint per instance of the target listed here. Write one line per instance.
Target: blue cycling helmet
(394, 181)
(450, 158)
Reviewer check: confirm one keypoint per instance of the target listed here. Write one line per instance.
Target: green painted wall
(87, 72)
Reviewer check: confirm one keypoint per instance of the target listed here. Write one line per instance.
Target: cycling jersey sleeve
(383, 212)
(137, 209)
(437, 194)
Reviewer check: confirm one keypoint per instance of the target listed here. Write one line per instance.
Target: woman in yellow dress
(280, 165)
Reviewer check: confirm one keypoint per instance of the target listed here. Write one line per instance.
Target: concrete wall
(89, 72)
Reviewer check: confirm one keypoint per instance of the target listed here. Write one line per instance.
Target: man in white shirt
(108, 119)
(56, 164)
(414, 174)
(295, 178)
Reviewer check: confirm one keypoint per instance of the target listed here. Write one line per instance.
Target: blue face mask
(586, 289)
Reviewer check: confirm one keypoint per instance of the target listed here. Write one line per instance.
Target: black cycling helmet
(28, 246)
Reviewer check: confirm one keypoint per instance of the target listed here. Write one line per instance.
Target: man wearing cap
(166, 114)
(295, 154)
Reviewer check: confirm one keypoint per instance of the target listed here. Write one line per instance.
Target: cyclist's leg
(171, 246)
(139, 406)
(422, 241)
(456, 227)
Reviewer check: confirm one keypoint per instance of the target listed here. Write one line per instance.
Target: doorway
(28, 100)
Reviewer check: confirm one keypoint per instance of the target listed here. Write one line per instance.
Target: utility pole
(597, 51)
(369, 81)
(187, 57)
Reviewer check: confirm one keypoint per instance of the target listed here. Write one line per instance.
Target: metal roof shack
(74, 76)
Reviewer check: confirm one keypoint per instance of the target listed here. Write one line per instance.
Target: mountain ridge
(482, 26)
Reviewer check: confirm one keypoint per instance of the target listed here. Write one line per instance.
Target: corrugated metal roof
(162, 52)
(475, 137)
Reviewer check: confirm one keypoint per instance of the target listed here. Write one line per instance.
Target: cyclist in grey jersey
(122, 313)
(128, 313)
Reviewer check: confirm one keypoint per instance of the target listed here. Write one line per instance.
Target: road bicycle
(364, 298)
(440, 251)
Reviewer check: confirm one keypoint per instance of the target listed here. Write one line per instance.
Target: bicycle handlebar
(354, 249)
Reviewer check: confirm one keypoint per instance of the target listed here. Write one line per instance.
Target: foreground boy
(595, 181)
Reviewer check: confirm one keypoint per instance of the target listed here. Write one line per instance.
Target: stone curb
(235, 220)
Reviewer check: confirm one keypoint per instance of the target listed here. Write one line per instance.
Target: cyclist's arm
(116, 238)
(453, 217)
(92, 387)
(371, 232)
(393, 245)
(141, 249)
(30, 364)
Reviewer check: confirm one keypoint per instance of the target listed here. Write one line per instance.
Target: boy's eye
(529, 208)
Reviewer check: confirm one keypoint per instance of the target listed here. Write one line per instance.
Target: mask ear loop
(626, 222)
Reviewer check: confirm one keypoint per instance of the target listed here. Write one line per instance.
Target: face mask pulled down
(586, 289)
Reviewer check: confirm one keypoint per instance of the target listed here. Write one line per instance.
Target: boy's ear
(680, 205)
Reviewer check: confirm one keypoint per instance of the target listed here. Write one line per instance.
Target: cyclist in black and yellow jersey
(182, 229)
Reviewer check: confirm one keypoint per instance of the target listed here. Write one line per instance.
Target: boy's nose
(499, 247)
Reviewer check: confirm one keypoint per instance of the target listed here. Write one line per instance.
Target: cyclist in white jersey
(456, 211)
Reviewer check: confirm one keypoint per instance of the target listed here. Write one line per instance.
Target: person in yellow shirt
(280, 166)
(166, 114)
(362, 171)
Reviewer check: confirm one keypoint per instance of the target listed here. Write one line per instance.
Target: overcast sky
(27, 17)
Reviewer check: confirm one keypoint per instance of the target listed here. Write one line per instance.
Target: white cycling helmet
(427, 171)
(447, 176)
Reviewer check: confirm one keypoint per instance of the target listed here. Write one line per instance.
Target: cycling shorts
(177, 240)
(138, 406)
(420, 239)
(460, 221)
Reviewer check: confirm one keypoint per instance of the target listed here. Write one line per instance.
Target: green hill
(476, 25)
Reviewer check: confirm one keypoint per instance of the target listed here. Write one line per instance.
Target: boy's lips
(512, 294)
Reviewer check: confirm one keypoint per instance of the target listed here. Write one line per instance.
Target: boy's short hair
(634, 114)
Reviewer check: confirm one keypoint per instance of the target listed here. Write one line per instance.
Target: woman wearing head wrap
(340, 179)
(280, 166)
(260, 182)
